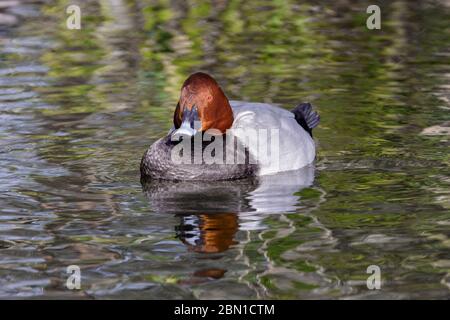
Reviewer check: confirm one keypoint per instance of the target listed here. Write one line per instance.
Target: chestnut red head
(203, 100)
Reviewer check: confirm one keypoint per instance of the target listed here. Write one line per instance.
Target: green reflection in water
(381, 190)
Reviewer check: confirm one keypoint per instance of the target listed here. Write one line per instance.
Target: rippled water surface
(79, 107)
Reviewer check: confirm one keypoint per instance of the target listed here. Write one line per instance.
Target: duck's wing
(296, 148)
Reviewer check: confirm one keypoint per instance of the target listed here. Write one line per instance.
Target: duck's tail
(306, 116)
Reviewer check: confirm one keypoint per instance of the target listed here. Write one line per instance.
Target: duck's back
(292, 147)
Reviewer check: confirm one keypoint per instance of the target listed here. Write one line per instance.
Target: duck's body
(296, 146)
(276, 140)
(157, 163)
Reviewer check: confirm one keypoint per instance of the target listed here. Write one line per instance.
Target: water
(79, 107)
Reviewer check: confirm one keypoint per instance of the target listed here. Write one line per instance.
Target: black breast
(157, 164)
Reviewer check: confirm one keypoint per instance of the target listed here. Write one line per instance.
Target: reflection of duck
(204, 108)
(276, 193)
(208, 233)
(191, 197)
(205, 207)
(265, 194)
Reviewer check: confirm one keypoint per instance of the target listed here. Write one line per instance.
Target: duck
(213, 138)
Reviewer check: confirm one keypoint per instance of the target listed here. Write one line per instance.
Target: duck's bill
(189, 124)
(184, 130)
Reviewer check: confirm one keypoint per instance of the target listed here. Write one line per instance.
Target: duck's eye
(194, 118)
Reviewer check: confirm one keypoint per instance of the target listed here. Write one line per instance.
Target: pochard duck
(240, 139)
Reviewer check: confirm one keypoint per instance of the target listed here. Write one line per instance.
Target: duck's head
(202, 106)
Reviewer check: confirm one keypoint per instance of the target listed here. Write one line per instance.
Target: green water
(79, 107)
